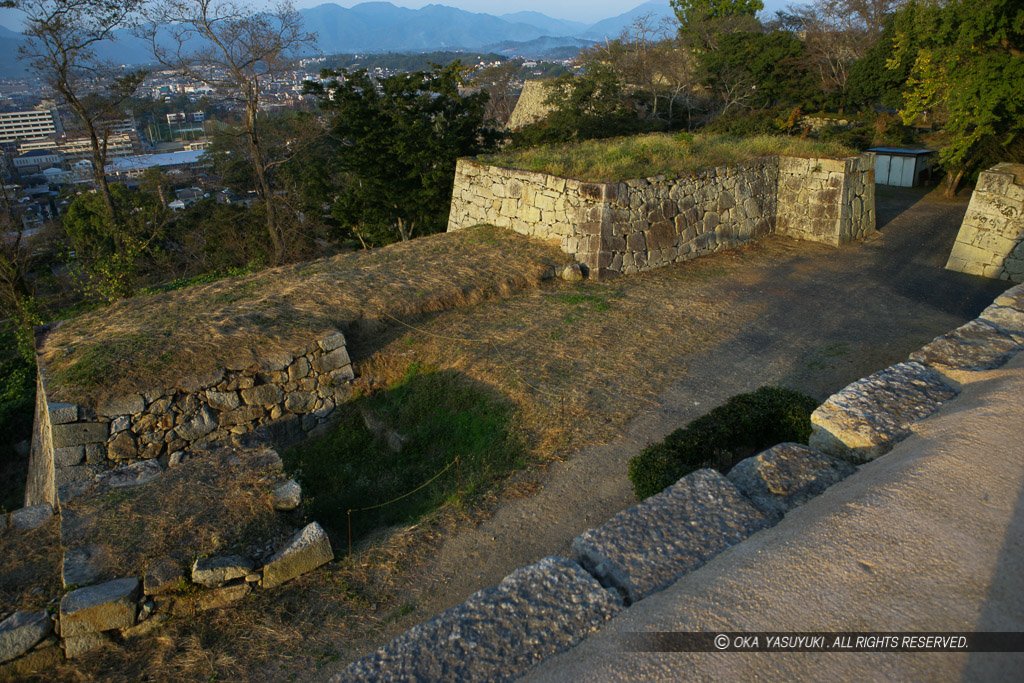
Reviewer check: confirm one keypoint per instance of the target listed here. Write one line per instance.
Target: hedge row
(746, 424)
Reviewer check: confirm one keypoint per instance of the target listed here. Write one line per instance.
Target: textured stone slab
(499, 633)
(338, 358)
(332, 342)
(132, 404)
(1013, 297)
(1006, 319)
(62, 413)
(214, 571)
(787, 475)
(97, 608)
(307, 550)
(79, 433)
(645, 548)
(32, 517)
(975, 346)
(287, 496)
(20, 631)
(201, 424)
(868, 417)
(84, 565)
(68, 456)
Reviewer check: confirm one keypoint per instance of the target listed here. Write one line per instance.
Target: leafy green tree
(399, 139)
(967, 61)
(758, 70)
(701, 21)
(877, 77)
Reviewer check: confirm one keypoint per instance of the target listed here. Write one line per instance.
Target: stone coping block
(1007, 319)
(97, 608)
(1013, 297)
(21, 631)
(498, 633)
(306, 551)
(977, 345)
(868, 417)
(643, 549)
(787, 475)
(214, 571)
(62, 413)
(32, 517)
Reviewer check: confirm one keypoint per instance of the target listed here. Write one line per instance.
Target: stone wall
(283, 398)
(826, 200)
(991, 238)
(530, 106)
(637, 225)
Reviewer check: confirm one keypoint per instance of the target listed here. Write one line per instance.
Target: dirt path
(826, 317)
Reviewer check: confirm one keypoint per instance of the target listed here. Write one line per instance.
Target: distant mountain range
(384, 27)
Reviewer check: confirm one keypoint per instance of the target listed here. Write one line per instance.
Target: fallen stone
(287, 496)
(62, 413)
(787, 475)
(32, 517)
(572, 273)
(647, 547)
(868, 417)
(1013, 297)
(136, 474)
(498, 633)
(31, 662)
(84, 565)
(163, 576)
(201, 424)
(222, 597)
(976, 345)
(145, 628)
(215, 571)
(306, 551)
(76, 646)
(97, 608)
(21, 631)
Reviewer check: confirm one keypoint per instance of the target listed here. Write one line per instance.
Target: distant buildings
(34, 124)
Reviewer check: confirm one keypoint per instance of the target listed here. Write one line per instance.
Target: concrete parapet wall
(991, 238)
(637, 225)
(282, 398)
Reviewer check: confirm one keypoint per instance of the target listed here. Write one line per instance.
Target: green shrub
(746, 424)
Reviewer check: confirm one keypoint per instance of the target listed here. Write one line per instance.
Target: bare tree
(237, 51)
(61, 49)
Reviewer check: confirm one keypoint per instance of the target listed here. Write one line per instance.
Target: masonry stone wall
(530, 107)
(991, 238)
(283, 398)
(637, 225)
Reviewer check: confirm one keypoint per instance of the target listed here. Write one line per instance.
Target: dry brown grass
(29, 566)
(152, 341)
(214, 503)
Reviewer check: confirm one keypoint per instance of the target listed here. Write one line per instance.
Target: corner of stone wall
(990, 242)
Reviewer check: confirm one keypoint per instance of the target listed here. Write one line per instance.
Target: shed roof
(901, 152)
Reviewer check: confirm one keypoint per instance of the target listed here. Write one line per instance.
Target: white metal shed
(902, 167)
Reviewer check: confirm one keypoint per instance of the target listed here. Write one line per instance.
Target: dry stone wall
(991, 238)
(641, 224)
(283, 398)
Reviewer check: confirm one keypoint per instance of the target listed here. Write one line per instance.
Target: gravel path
(827, 317)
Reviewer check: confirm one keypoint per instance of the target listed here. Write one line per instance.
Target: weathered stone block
(224, 400)
(647, 547)
(332, 361)
(976, 345)
(99, 608)
(499, 633)
(79, 433)
(22, 630)
(262, 395)
(199, 425)
(1013, 297)
(1007, 320)
(787, 475)
(123, 447)
(306, 551)
(222, 597)
(31, 517)
(868, 417)
(62, 413)
(300, 401)
(332, 342)
(287, 496)
(215, 571)
(84, 565)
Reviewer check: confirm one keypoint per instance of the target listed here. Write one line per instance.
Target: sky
(586, 11)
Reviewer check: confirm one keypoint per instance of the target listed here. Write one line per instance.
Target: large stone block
(647, 547)
(1013, 297)
(21, 631)
(200, 424)
(1006, 319)
(787, 475)
(62, 413)
(31, 517)
(868, 417)
(332, 361)
(79, 433)
(215, 571)
(307, 550)
(99, 608)
(976, 345)
(499, 633)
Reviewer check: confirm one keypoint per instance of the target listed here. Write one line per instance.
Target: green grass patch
(437, 415)
(746, 424)
(643, 156)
